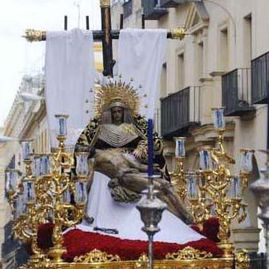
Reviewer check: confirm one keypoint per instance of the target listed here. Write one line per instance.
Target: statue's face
(117, 113)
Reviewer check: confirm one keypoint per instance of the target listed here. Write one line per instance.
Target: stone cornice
(32, 120)
(207, 132)
(200, 136)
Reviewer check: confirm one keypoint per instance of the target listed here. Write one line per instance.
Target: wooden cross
(105, 35)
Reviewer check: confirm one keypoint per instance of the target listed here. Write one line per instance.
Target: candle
(150, 147)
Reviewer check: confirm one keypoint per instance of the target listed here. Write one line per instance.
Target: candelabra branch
(179, 178)
(216, 190)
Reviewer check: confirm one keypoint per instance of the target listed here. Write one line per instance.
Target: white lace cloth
(125, 218)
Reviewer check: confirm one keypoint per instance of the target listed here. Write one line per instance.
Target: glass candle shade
(26, 149)
(192, 188)
(28, 191)
(44, 165)
(20, 206)
(82, 167)
(62, 124)
(180, 147)
(50, 216)
(37, 166)
(66, 198)
(235, 188)
(81, 192)
(218, 118)
(11, 180)
(213, 212)
(246, 160)
(205, 159)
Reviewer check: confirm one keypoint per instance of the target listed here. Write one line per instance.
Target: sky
(19, 57)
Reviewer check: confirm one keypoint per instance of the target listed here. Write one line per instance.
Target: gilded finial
(34, 35)
(178, 33)
(104, 3)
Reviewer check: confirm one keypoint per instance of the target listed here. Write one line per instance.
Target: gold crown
(116, 92)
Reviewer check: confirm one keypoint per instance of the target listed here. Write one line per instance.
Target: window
(247, 36)
(181, 71)
(164, 81)
(127, 8)
(200, 61)
(224, 50)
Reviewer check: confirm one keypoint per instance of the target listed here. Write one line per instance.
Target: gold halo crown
(116, 92)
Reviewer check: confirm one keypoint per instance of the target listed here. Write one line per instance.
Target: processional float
(44, 194)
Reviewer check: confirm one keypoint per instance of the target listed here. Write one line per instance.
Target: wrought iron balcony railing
(179, 111)
(152, 9)
(127, 8)
(171, 3)
(260, 79)
(236, 89)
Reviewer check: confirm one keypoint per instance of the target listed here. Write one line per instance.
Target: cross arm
(37, 35)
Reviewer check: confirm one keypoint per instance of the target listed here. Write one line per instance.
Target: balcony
(180, 111)
(171, 3)
(152, 11)
(236, 89)
(127, 8)
(260, 79)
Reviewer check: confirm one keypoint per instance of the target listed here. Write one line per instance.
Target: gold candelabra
(212, 190)
(27, 212)
(45, 196)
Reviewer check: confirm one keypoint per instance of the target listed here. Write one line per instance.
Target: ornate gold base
(159, 264)
(56, 253)
(183, 259)
(228, 249)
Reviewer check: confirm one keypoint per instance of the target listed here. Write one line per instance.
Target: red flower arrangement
(79, 243)
(209, 229)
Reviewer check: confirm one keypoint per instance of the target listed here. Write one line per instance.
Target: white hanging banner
(141, 54)
(70, 77)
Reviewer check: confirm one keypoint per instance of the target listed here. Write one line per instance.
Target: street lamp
(261, 190)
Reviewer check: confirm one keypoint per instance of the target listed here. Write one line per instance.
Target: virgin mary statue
(117, 145)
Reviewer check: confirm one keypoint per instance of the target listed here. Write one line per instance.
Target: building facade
(221, 61)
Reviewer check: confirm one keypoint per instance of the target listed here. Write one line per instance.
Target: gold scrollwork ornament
(96, 256)
(242, 259)
(188, 253)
